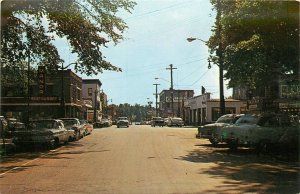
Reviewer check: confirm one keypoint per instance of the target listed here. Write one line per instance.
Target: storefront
(201, 109)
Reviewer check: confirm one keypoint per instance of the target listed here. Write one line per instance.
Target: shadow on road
(246, 171)
(15, 168)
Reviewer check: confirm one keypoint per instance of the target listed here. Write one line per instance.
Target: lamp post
(220, 65)
(62, 101)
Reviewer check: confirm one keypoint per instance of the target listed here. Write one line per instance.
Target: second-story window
(90, 91)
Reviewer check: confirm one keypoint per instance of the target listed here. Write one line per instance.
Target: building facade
(165, 102)
(52, 95)
(202, 109)
(91, 92)
(284, 97)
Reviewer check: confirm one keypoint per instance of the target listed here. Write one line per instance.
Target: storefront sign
(42, 99)
(41, 81)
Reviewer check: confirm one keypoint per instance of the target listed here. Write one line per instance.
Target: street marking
(22, 165)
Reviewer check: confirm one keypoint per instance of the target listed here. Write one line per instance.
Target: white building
(201, 109)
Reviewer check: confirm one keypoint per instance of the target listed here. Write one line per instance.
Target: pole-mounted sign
(41, 80)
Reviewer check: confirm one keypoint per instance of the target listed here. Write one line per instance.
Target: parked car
(212, 131)
(106, 123)
(12, 125)
(261, 132)
(88, 128)
(175, 121)
(74, 124)
(157, 121)
(49, 132)
(122, 122)
(290, 140)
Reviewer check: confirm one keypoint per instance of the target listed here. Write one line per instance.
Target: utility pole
(95, 105)
(172, 92)
(219, 53)
(156, 113)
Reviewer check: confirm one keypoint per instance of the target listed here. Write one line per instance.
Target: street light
(62, 101)
(220, 65)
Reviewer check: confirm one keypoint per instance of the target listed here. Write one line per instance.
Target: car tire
(214, 141)
(233, 145)
(77, 135)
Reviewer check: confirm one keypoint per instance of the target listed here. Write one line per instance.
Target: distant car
(261, 132)
(74, 124)
(212, 131)
(106, 123)
(88, 128)
(50, 132)
(137, 123)
(175, 121)
(157, 121)
(122, 122)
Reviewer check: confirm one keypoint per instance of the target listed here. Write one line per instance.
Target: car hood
(35, 132)
(215, 125)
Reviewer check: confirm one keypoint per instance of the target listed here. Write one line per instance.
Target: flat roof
(92, 81)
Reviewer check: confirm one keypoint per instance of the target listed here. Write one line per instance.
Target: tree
(29, 28)
(260, 40)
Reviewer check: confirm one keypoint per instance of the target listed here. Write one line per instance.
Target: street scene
(138, 96)
(145, 159)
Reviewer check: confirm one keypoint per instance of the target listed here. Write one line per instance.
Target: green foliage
(87, 24)
(259, 40)
(135, 112)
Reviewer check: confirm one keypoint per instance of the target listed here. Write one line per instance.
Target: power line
(157, 10)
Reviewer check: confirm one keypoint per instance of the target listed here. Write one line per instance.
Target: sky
(156, 38)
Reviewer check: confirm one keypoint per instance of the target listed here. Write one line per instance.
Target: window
(90, 91)
(78, 95)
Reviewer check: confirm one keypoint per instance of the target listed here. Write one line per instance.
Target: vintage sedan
(49, 132)
(175, 121)
(212, 131)
(88, 128)
(74, 124)
(258, 131)
(123, 122)
(106, 123)
(157, 121)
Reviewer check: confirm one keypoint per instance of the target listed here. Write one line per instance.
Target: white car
(123, 122)
(175, 121)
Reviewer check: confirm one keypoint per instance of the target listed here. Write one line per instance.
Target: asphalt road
(143, 159)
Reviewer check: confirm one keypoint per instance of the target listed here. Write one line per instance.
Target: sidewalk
(7, 147)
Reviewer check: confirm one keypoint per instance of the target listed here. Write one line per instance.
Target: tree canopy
(29, 27)
(259, 40)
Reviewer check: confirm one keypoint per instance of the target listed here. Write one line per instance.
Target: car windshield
(247, 120)
(225, 120)
(82, 122)
(69, 123)
(122, 118)
(42, 125)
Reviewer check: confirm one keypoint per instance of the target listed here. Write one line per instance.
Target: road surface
(144, 159)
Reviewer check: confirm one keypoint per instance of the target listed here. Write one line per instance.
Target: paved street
(143, 159)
